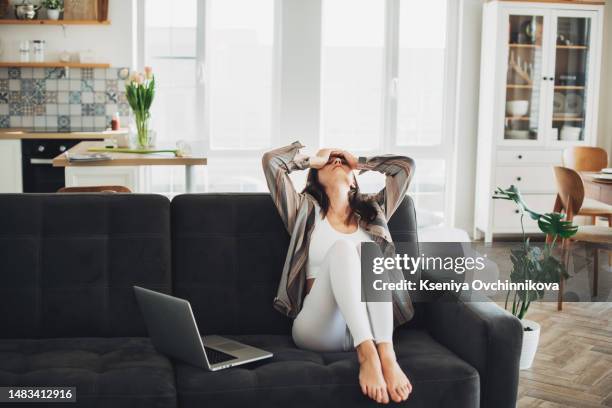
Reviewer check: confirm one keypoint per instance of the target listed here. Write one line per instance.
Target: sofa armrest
(485, 336)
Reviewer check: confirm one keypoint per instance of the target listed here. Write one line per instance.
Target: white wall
(113, 43)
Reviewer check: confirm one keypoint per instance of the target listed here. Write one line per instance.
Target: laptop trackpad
(229, 346)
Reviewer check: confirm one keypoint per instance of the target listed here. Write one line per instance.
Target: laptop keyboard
(216, 356)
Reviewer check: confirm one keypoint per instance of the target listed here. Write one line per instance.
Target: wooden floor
(573, 365)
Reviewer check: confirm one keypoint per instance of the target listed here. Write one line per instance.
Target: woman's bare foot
(398, 385)
(371, 377)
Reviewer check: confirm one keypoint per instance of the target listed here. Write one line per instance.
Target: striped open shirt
(297, 211)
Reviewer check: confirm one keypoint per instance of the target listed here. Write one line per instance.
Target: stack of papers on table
(87, 157)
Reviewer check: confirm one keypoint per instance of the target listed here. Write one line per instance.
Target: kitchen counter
(124, 169)
(125, 159)
(17, 134)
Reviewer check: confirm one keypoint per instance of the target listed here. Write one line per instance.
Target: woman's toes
(384, 396)
(403, 392)
(395, 396)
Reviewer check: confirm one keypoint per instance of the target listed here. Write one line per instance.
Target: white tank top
(321, 240)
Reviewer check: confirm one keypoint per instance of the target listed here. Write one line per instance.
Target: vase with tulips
(140, 91)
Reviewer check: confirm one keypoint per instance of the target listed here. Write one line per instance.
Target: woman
(321, 281)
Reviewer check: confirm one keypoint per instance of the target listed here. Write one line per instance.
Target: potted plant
(54, 8)
(140, 91)
(535, 264)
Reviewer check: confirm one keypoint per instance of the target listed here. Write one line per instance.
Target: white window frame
(202, 78)
(446, 148)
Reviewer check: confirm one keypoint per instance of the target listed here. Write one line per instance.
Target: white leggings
(333, 312)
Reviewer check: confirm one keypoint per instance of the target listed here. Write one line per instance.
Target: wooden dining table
(596, 187)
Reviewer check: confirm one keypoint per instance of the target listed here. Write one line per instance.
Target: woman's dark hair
(360, 205)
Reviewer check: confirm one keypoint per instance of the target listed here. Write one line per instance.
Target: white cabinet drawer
(519, 157)
(506, 217)
(534, 179)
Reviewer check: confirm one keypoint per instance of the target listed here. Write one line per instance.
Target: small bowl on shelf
(517, 108)
(514, 134)
(570, 133)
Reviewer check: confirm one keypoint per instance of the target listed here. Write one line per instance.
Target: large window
(352, 63)
(384, 84)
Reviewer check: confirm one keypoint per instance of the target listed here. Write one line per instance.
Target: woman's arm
(277, 164)
(398, 171)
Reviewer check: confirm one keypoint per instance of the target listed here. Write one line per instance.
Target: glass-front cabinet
(548, 76)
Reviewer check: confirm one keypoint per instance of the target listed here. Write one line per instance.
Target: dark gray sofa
(68, 315)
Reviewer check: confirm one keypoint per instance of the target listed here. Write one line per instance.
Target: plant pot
(531, 337)
(53, 14)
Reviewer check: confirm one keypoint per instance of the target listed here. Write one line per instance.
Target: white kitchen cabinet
(539, 91)
(136, 178)
(10, 166)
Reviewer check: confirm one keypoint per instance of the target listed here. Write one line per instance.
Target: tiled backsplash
(56, 98)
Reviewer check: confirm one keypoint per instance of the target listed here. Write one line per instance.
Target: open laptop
(174, 331)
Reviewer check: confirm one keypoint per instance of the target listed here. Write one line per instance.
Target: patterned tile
(100, 109)
(87, 85)
(4, 121)
(27, 110)
(63, 122)
(14, 73)
(4, 109)
(100, 97)
(33, 91)
(88, 109)
(40, 110)
(55, 73)
(112, 84)
(121, 97)
(27, 73)
(4, 97)
(15, 98)
(87, 73)
(4, 85)
(15, 109)
(38, 73)
(51, 97)
(74, 97)
(124, 109)
(111, 96)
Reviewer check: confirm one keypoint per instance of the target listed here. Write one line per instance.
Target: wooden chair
(570, 199)
(95, 189)
(587, 158)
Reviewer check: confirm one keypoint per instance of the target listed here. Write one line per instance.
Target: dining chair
(95, 189)
(570, 198)
(591, 159)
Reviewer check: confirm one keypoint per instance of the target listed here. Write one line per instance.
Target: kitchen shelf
(572, 47)
(514, 45)
(53, 64)
(562, 119)
(518, 86)
(53, 22)
(572, 87)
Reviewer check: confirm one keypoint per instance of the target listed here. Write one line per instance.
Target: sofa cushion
(116, 372)
(301, 378)
(69, 262)
(228, 252)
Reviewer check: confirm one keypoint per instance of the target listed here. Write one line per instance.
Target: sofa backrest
(68, 262)
(228, 255)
